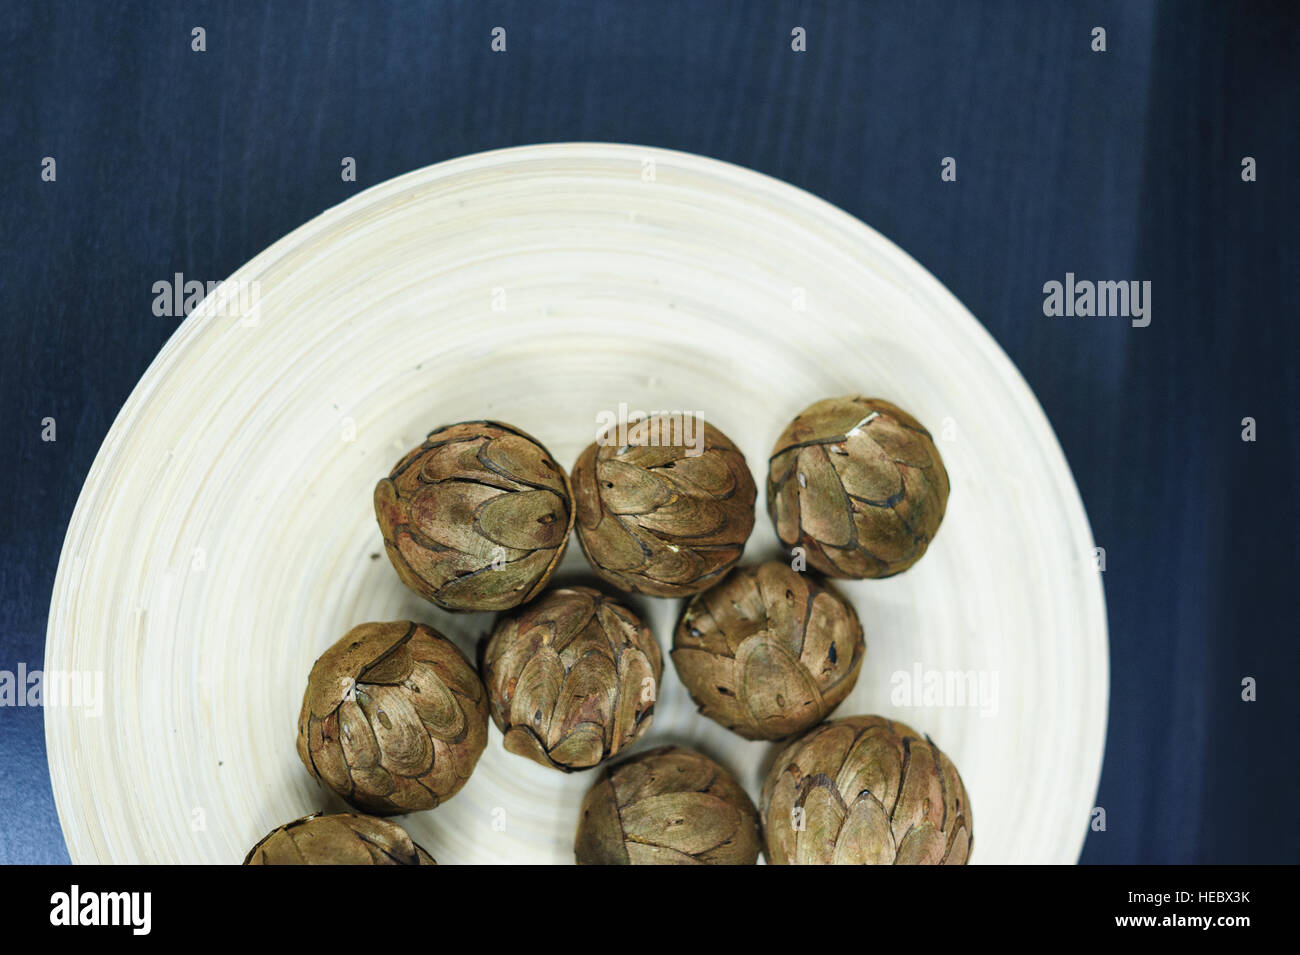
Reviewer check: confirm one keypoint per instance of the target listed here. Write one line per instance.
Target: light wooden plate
(225, 536)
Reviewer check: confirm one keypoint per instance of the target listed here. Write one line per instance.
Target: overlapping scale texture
(344, 838)
(658, 518)
(477, 517)
(571, 678)
(859, 485)
(865, 790)
(768, 652)
(394, 718)
(670, 806)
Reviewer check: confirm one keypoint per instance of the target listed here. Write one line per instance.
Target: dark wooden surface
(1117, 165)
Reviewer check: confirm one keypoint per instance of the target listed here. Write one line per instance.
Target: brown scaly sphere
(656, 518)
(394, 718)
(768, 652)
(867, 791)
(859, 485)
(571, 678)
(344, 838)
(477, 517)
(670, 806)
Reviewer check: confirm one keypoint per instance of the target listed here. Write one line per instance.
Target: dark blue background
(1122, 165)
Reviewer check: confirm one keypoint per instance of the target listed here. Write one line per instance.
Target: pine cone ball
(663, 515)
(859, 485)
(477, 517)
(670, 806)
(571, 678)
(394, 718)
(865, 791)
(344, 838)
(768, 652)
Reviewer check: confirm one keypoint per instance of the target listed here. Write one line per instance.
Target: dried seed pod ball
(477, 517)
(768, 652)
(865, 790)
(859, 485)
(345, 838)
(667, 512)
(571, 678)
(394, 718)
(670, 806)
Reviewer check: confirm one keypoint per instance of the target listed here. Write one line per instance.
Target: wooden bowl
(225, 535)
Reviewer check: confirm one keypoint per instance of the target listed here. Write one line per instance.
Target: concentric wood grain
(225, 537)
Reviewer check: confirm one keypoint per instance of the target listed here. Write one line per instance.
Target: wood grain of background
(1116, 165)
